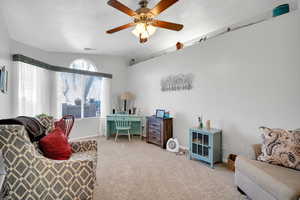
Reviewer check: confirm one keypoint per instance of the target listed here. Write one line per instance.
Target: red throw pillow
(55, 145)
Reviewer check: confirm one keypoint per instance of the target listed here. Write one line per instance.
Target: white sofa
(263, 181)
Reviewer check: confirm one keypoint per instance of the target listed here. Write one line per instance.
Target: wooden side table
(206, 145)
(159, 131)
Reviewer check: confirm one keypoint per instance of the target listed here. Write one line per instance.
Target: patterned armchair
(32, 176)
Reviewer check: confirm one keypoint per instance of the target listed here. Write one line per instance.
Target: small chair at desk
(122, 124)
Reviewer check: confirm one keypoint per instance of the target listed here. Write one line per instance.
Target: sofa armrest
(257, 150)
(40, 177)
(83, 146)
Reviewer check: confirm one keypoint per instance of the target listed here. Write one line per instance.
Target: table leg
(141, 130)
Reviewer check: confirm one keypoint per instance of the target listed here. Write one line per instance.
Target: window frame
(95, 69)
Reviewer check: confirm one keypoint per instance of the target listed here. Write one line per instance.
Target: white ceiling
(72, 25)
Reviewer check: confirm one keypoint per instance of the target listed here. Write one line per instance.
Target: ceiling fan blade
(167, 25)
(162, 5)
(121, 7)
(120, 28)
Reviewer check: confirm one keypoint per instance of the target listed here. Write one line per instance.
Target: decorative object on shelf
(208, 124)
(179, 45)
(205, 145)
(143, 18)
(231, 162)
(3, 79)
(177, 82)
(280, 10)
(200, 120)
(126, 96)
(167, 114)
(173, 145)
(139, 112)
(159, 130)
(160, 113)
(134, 110)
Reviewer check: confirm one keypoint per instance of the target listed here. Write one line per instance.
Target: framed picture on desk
(160, 113)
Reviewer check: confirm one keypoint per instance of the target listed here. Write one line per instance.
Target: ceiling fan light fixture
(143, 30)
(143, 18)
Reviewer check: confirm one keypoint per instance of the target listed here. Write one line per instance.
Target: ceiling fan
(144, 18)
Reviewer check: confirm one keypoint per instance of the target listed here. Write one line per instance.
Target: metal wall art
(3, 79)
(177, 82)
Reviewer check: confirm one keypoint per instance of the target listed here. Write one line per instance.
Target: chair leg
(128, 135)
(141, 133)
(116, 136)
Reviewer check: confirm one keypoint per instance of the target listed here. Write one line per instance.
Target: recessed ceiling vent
(89, 49)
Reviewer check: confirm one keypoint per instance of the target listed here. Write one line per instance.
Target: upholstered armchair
(30, 175)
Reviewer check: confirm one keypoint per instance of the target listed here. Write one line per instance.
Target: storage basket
(231, 161)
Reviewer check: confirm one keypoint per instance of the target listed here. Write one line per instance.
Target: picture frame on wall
(3, 79)
(160, 113)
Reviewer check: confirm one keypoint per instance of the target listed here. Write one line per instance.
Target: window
(79, 95)
(32, 93)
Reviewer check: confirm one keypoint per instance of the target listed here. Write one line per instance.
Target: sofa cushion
(55, 145)
(283, 183)
(281, 147)
(47, 121)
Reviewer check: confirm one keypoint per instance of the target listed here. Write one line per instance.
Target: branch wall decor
(177, 82)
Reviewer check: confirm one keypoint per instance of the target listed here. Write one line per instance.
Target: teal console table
(136, 124)
(205, 145)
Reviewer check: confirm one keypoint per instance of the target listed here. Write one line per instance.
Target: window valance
(31, 61)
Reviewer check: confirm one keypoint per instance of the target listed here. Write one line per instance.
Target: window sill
(87, 118)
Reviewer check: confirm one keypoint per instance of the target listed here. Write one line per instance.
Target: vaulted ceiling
(72, 25)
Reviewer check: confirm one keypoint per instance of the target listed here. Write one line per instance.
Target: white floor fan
(173, 145)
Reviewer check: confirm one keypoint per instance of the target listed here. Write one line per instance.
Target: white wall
(244, 79)
(115, 65)
(5, 99)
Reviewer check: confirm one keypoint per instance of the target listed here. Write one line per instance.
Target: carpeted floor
(137, 170)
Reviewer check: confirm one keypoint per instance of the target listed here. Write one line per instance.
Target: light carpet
(137, 170)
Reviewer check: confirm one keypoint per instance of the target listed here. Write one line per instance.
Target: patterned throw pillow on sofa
(281, 147)
(47, 121)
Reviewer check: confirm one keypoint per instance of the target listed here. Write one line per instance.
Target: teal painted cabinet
(205, 145)
(136, 124)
